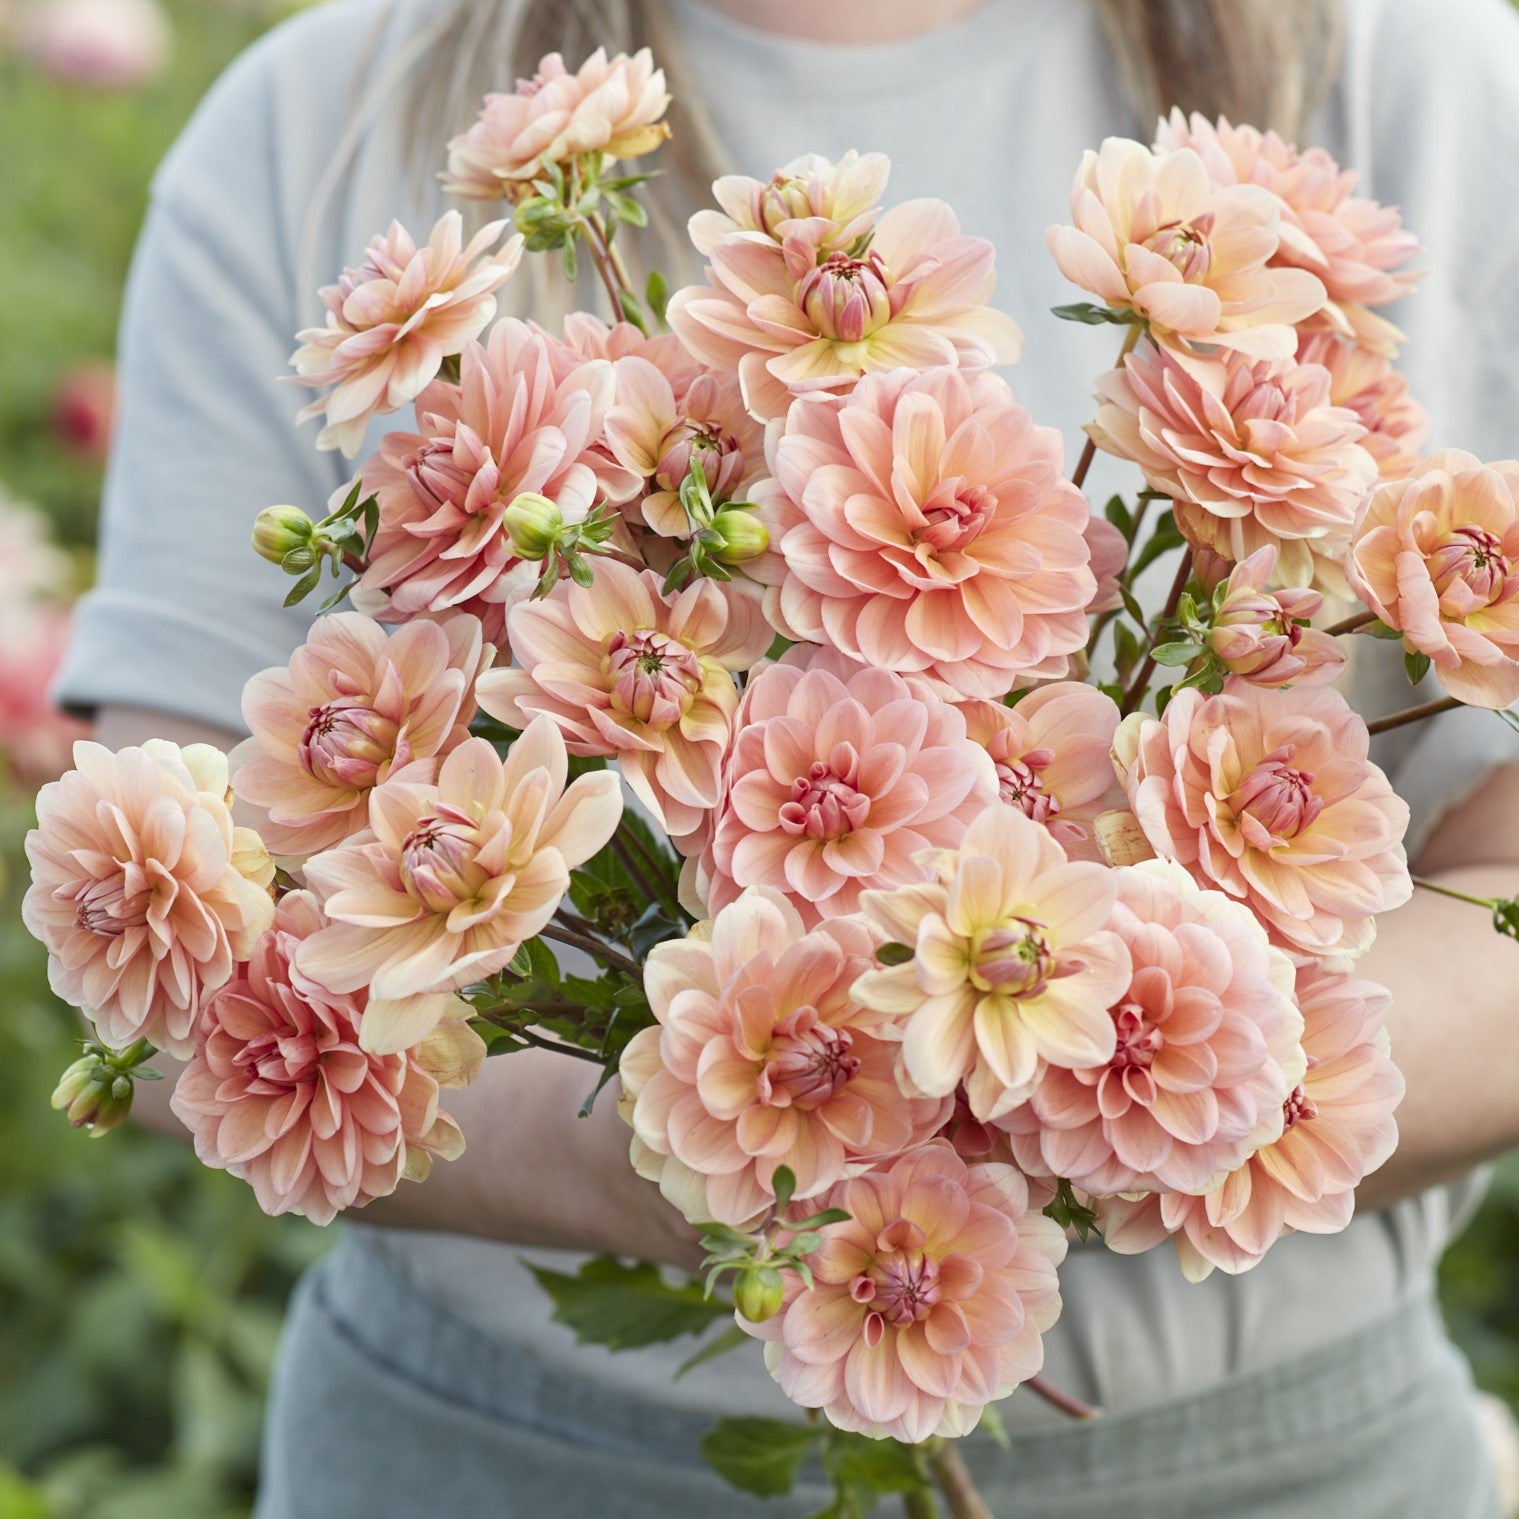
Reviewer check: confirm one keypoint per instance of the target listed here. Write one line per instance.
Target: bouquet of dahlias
(716, 710)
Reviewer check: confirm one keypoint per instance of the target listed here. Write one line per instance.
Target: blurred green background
(140, 1295)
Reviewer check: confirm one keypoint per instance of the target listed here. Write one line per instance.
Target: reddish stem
(1061, 1400)
(1136, 692)
(1413, 715)
(1351, 624)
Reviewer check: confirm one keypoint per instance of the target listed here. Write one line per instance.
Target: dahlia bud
(738, 536)
(279, 531)
(534, 524)
(758, 1293)
(94, 1094)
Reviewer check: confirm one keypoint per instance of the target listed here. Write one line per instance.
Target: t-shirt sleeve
(184, 611)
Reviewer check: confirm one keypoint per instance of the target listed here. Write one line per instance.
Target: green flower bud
(94, 1095)
(534, 524)
(737, 536)
(758, 1293)
(278, 530)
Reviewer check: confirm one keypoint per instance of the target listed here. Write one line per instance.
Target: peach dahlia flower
(1396, 422)
(1207, 1049)
(354, 704)
(1251, 451)
(929, 1303)
(1053, 754)
(637, 676)
(612, 106)
(1337, 1127)
(1269, 796)
(143, 893)
(1436, 556)
(1259, 635)
(838, 777)
(392, 321)
(1013, 967)
(450, 877)
(791, 319)
(1153, 235)
(527, 415)
(281, 1094)
(762, 1058)
(927, 528)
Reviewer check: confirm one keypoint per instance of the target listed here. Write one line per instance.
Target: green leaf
(1162, 540)
(1180, 653)
(625, 1307)
(1118, 514)
(760, 1456)
(1069, 1212)
(304, 586)
(730, 1339)
(656, 294)
(1416, 666)
(1379, 629)
(1125, 650)
(1094, 316)
(783, 1184)
(884, 1466)
(632, 311)
(571, 261)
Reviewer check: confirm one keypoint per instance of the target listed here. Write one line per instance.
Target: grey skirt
(387, 1404)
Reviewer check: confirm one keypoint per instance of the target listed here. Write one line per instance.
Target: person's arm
(533, 1173)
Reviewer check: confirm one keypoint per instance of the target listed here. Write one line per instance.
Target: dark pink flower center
(901, 1285)
(1279, 798)
(845, 298)
(346, 743)
(808, 1062)
(1298, 1108)
(1472, 555)
(955, 515)
(1139, 1040)
(1021, 782)
(824, 803)
(438, 859)
(1185, 245)
(1013, 958)
(106, 908)
(651, 676)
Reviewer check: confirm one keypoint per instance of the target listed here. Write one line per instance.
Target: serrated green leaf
(883, 1466)
(732, 1338)
(625, 1307)
(1093, 316)
(759, 1456)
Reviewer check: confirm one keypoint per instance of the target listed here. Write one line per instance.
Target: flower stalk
(1413, 715)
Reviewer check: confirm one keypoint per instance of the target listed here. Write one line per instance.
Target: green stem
(921, 1504)
(1456, 896)
(1413, 715)
(1136, 692)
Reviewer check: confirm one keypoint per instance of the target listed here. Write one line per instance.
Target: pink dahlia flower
(1337, 1128)
(829, 205)
(790, 319)
(1013, 967)
(36, 738)
(927, 528)
(281, 1093)
(1195, 260)
(143, 892)
(354, 704)
(1396, 423)
(392, 321)
(838, 777)
(1251, 451)
(1207, 1050)
(1262, 636)
(930, 1303)
(762, 1058)
(1269, 796)
(1053, 754)
(1359, 249)
(611, 106)
(662, 421)
(527, 415)
(1436, 556)
(1109, 557)
(637, 676)
(451, 877)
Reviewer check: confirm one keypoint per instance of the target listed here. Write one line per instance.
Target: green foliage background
(140, 1295)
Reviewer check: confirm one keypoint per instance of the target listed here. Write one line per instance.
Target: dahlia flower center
(1278, 797)
(346, 743)
(1021, 782)
(1267, 402)
(283, 1057)
(846, 299)
(1013, 958)
(438, 859)
(808, 1062)
(107, 909)
(1139, 1040)
(784, 199)
(439, 478)
(1472, 555)
(955, 515)
(651, 677)
(824, 803)
(721, 456)
(901, 1285)
(1185, 245)
(1298, 1108)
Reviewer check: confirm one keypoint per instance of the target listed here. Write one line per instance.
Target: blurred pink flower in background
(392, 321)
(927, 528)
(281, 1093)
(1436, 556)
(612, 106)
(353, 705)
(84, 411)
(930, 1303)
(1257, 635)
(1252, 452)
(762, 1058)
(1207, 1050)
(787, 324)
(838, 777)
(1013, 964)
(142, 890)
(1269, 796)
(1395, 420)
(98, 44)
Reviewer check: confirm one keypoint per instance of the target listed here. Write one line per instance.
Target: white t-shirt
(298, 156)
